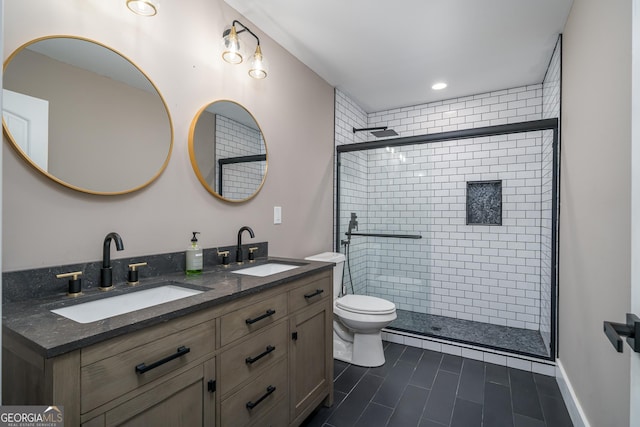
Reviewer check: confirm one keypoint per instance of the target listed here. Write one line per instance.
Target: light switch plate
(277, 215)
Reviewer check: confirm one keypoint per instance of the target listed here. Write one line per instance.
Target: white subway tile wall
(240, 180)
(475, 272)
(494, 108)
(349, 115)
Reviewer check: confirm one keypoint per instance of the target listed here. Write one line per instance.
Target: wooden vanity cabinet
(311, 346)
(101, 385)
(260, 360)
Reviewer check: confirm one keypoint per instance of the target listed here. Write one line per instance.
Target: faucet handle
(252, 256)
(132, 277)
(75, 283)
(225, 257)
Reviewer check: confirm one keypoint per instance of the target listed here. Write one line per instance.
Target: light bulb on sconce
(233, 50)
(231, 46)
(144, 7)
(258, 66)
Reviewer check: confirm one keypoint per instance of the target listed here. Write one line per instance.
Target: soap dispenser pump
(194, 257)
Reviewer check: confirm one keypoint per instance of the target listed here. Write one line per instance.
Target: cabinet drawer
(254, 317)
(310, 293)
(159, 406)
(235, 410)
(276, 417)
(111, 377)
(250, 358)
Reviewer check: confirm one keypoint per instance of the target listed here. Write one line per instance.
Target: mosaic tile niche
(484, 203)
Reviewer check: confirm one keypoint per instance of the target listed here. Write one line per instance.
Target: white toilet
(358, 320)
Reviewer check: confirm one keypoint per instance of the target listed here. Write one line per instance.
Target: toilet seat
(364, 304)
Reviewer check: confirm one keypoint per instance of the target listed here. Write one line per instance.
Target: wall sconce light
(143, 7)
(233, 52)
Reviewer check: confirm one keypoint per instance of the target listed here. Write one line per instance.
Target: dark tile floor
(493, 336)
(423, 388)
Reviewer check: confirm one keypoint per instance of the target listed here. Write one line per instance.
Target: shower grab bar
(396, 236)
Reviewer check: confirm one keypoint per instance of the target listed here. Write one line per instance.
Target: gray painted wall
(595, 221)
(46, 224)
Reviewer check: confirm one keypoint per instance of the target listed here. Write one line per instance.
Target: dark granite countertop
(49, 334)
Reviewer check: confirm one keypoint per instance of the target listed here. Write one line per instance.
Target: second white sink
(266, 269)
(126, 303)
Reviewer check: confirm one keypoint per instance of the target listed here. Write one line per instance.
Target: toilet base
(342, 350)
(365, 350)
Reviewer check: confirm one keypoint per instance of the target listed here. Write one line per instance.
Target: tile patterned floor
(493, 336)
(423, 388)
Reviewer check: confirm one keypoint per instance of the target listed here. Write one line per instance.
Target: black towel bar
(396, 236)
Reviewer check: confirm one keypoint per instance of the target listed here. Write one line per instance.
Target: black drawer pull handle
(251, 405)
(313, 294)
(264, 316)
(142, 368)
(251, 360)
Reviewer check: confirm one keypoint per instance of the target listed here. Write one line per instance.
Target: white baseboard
(576, 413)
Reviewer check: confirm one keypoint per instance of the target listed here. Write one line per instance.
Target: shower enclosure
(459, 230)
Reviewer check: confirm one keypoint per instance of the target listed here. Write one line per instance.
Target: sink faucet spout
(106, 275)
(239, 248)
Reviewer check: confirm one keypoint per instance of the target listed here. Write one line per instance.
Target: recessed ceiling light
(143, 7)
(439, 86)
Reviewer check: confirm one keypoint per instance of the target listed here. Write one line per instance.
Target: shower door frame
(520, 127)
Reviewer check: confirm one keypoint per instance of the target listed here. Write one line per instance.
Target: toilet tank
(338, 259)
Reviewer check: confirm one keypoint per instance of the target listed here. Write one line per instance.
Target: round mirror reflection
(85, 116)
(228, 151)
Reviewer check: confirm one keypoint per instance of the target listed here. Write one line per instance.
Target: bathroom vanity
(247, 351)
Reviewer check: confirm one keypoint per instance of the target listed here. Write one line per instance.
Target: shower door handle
(630, 330)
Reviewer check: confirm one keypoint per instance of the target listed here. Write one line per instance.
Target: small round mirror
(228, 151)
(85, 116)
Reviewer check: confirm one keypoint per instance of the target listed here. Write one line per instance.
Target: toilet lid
(365, 304)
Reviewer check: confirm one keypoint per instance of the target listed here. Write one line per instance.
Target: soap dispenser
(194, 257)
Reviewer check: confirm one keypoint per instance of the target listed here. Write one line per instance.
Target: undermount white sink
(266, 269)
(126, 303)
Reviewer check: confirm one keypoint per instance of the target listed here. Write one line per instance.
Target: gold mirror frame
(206, 183)
(157, 112)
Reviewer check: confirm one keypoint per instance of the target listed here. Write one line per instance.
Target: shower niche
(484, 202)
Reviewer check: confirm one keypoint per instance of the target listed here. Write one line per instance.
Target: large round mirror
(85, 116)
(228, 151)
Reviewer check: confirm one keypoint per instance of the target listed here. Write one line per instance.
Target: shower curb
(497, 357)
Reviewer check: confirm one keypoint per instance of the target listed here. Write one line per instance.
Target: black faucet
(106, 276)
(239, 248)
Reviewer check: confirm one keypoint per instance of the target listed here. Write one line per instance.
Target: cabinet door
(311, 362)
(184, 400)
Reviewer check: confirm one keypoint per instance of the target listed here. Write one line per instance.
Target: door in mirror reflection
(27, 118)
(228, 151)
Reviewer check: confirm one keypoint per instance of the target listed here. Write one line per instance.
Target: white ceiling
(387, 54)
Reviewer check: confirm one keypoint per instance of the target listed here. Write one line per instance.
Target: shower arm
(370, 129)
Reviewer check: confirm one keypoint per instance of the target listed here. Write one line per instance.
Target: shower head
(378, 132)
(384, 133)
